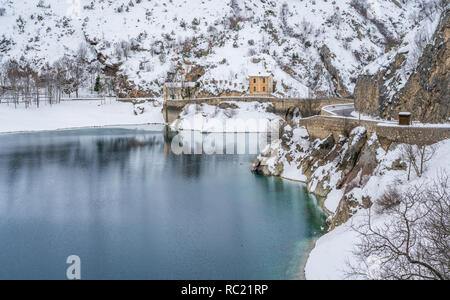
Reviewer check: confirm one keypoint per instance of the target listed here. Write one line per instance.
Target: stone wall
(280, 106)
(321, 127)
(412, 134)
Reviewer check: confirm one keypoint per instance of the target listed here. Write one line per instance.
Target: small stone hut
(404, 118)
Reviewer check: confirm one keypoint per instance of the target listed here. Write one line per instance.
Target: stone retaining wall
(321, 126)
(412, 134)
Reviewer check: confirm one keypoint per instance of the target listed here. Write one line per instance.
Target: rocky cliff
(336, 170)
(426, 93)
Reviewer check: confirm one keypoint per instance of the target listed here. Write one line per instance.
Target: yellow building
(261, 84)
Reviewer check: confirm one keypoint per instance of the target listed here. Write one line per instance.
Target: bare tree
(2, 82)
(27, 76)
(413, 240)
(13, 77)
(46, 79)
(37, 84)
(417, 157)
(78, 68)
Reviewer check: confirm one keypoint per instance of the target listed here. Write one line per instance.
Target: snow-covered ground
(229, 39)
(325, 169)
(240, 117)
(334, 251)
(76, 114)
(233, 117)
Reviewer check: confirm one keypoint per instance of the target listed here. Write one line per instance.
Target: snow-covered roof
(260, 74)
(172, 85)
(404, 114)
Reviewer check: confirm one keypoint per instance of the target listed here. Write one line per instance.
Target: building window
(264, 89)
(254, 80)
(254, 89)
(264, 80)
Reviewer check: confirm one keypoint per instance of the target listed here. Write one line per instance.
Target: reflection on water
(132, 209)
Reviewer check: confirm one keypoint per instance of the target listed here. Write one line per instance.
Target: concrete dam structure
(283, 107)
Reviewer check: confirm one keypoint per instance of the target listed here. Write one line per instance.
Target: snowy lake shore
(75, 115)
(298, 158)
(334, 252)
(243, 117)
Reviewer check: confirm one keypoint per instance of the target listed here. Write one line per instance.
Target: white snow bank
(239, 117)
(76, 114)
(333, 251)
(328, 259)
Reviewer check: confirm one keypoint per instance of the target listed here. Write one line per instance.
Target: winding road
(342, 110)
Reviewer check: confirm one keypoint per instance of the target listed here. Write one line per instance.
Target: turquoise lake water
(131, 209)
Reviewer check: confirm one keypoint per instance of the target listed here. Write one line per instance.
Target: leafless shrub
(387, 202)
(414, 240)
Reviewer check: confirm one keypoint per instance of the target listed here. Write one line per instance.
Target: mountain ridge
(137, 45)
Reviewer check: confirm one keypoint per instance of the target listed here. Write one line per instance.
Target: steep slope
(313, 47)
(352, 174)
(408, 83)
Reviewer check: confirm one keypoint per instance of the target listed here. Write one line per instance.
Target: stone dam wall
(280, 106)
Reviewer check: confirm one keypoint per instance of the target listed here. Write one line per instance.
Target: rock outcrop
(326, 165)
(426, 93)
(327, 59)
(371, 93)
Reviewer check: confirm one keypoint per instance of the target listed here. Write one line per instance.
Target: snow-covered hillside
(313, 47)
(335, 251)
(354, 175)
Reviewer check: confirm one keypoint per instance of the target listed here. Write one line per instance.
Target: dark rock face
(356, 161)
(371, 94)
(427, 92)
(326, 57)
(357, 176)
(259, 167)
(226, 105)
(347, 209)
